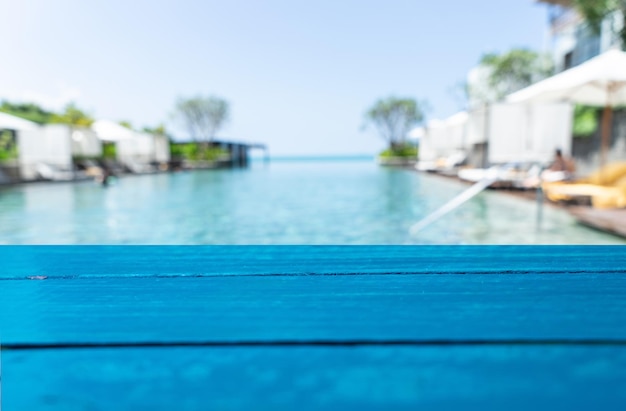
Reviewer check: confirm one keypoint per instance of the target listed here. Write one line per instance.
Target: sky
(298, 75)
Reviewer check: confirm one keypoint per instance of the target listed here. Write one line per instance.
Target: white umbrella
(600, 81)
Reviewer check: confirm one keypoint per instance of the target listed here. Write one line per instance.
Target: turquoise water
(289, 202)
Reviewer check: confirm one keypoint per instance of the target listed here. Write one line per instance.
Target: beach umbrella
(600, 81)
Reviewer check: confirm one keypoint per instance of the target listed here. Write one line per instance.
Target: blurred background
(271, 122)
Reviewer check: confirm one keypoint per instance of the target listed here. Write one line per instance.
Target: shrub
(404, 150)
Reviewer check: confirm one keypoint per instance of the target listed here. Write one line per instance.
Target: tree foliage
(158, 130)
(72, 116)
(203, 117)
(27, 111)
(125, 124)
(509, 72)
(8, 146)
(394, 117)
(191, 151)
(595, 11)
(585, 121)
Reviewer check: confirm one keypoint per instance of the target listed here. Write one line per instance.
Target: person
(561, 163)
(562, 168)
(106, 177)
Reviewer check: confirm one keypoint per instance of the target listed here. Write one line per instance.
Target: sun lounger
(605, 188)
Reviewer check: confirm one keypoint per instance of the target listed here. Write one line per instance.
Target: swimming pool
(284, 202)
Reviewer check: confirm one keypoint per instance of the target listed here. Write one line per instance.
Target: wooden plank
(454, 378)
(86, 261)
(314, 307)
(528, 304)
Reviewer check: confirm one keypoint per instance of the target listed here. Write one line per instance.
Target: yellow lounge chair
(606, 188)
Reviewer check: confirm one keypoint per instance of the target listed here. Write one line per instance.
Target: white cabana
(475, 132)
(600, 81)
(143, 149)
(110, 131)
(10, 169)
(456, 126)
(510, 133)
(428, 148)
(136, 150)
(443, 138)
(9, 122)
(45, 152)
(161, 148)
(442, 145)
(85, 142)
(528, 132)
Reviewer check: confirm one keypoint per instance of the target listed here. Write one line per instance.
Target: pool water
(289, 202)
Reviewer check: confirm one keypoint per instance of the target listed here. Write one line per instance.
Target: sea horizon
(317, 157)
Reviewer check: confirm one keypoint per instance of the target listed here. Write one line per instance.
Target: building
(573, 41)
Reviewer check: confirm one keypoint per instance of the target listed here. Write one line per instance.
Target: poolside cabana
(444, 142)
(85, 142)
(142, 151)
(137, 151)
(9, 122)
(42, 152)
(599, 82)
(10, 128)
(110, 131)
(498, 134)
(528, 133)
(46, 152)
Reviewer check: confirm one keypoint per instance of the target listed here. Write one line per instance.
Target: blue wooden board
(85, 261)
(308, 307)
(344, 378)
(313, 327)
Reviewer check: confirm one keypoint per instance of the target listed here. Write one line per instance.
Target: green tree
(27, 111)
(158, 130)
(595, 11)
(73, 117)
(125, 124)
(203, 117)
(394, 117)
(506, 73)
(585, 121)
(8, 146)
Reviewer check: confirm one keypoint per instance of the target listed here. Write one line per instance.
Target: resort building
(573, 41)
